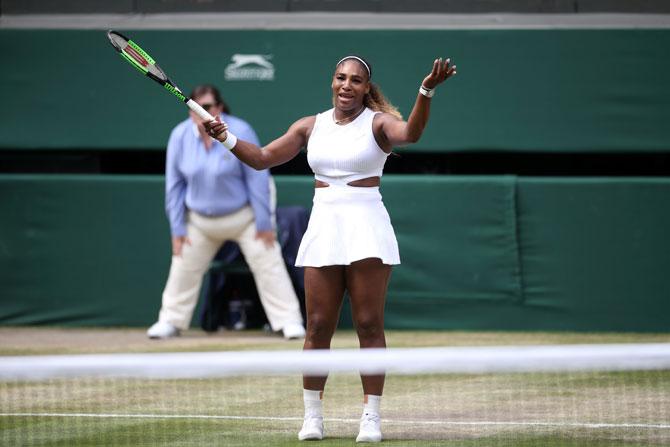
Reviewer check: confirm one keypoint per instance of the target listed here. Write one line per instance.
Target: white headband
(359, 60)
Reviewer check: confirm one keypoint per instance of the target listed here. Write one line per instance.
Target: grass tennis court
(36, 340)
(527, 409)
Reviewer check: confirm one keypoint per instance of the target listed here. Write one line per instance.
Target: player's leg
(367, 282)
(324, 292)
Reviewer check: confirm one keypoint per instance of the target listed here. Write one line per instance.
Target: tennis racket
(139, 59)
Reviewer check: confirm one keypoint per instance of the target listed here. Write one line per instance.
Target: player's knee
(369, 327)
(319, 328)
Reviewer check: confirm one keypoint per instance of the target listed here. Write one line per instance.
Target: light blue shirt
(212, 182)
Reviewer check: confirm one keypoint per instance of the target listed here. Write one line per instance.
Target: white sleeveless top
(339, 154)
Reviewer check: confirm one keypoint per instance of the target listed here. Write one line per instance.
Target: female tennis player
(349, 243)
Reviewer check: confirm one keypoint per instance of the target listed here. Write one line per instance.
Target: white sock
(313, 404)
(372, 406)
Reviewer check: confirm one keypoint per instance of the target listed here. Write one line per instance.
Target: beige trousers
(207, 234)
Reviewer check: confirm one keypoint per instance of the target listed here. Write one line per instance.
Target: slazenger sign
(250, 67)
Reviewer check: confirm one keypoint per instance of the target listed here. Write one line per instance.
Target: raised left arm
(398, 132)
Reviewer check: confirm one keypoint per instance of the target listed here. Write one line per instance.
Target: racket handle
(202, 113)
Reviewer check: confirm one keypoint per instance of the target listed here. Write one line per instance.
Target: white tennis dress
(348, 223)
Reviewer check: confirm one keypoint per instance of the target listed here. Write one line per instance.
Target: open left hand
(216, 129)
(442, 70)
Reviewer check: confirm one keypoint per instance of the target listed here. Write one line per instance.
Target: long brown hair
(374, 99)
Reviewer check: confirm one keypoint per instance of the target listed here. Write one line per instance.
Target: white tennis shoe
(312, 429)
(371, 428)
(293, 331)
(161, 329)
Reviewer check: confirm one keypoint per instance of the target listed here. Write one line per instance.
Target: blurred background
(537, 199)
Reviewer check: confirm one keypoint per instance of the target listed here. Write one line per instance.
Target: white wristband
(230, 141)
(427, 92)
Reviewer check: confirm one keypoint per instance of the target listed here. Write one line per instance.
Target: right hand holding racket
(216, 129)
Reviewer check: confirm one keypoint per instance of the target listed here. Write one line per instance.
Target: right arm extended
(277, 152)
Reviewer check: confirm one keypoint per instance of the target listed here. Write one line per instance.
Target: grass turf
(57, 432)
(422, 410)
(49, 340)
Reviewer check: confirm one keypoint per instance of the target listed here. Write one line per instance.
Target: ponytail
(376, 101)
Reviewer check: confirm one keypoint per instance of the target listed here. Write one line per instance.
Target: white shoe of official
(162, 329)
(293, 331)
(312, 429)
(371, 428)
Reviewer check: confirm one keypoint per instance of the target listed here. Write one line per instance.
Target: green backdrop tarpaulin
(81, 250)
(597, 251)
(477, 253)
(517, 90)
(457, 238)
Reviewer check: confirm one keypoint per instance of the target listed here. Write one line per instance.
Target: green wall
(477, 252)
(517, 90)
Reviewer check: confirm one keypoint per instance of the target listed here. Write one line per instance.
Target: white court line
(386, 421)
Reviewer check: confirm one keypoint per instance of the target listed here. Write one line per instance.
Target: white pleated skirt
(347, 224)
